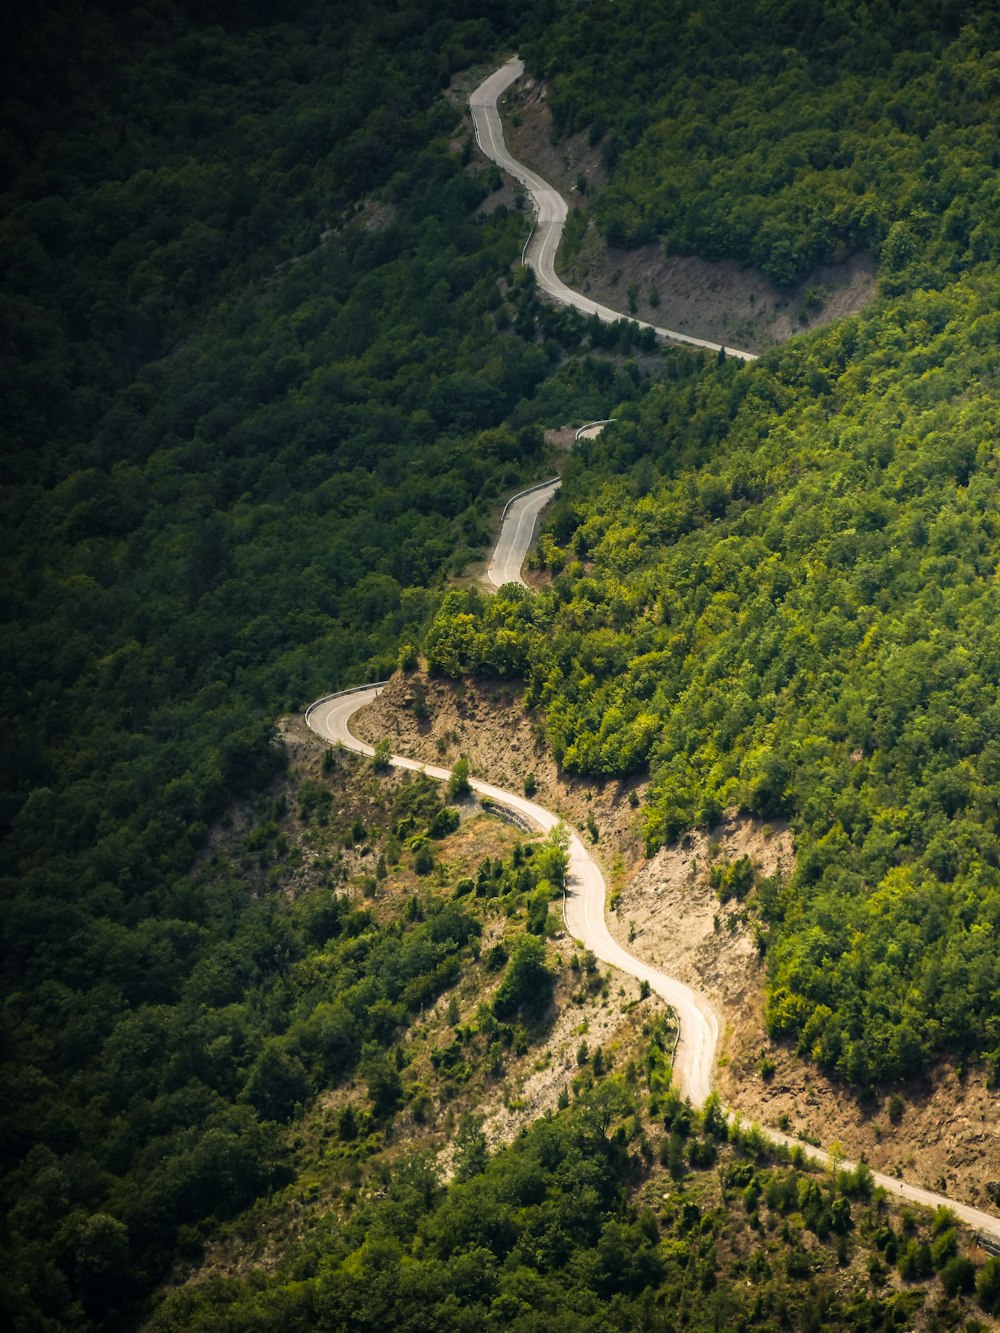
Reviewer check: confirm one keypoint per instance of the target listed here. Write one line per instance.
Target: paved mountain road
(699, 1027)
(520, 515)
(330, 718)
(550, 211)
(516, 531)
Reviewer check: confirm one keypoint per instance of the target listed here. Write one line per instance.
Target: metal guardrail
(340, 694)
(589, 425)
(524, 249)
(528, 490)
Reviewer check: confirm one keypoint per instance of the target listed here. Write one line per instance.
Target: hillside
(940, 1127)
(267, 374)
(725, 300)
(290, 1042)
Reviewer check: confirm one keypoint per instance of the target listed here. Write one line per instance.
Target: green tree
(988, 1286)
(382, 756)
(551, 857)
(471, 1154)
(458, 782)
(101, 1254)
(527, 984)
(277, 1082)
(385, 1087)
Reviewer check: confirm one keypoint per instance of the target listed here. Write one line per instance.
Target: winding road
(330, 718)
(699, 1027)
(694, 1060)
(551, 212)
(520, 515)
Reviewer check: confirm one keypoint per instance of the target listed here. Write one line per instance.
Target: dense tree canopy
(789, 134)
(265, 374)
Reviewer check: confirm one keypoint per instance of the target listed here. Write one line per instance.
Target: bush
(382, 757)
(988, 1286)
(458, 783)
(958, 1275)
(527, 986)
(496, 958)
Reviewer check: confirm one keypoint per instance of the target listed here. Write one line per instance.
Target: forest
(791, 133)
(270, 368)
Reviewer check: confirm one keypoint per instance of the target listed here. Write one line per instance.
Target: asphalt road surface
(550, 211)
(516, 533)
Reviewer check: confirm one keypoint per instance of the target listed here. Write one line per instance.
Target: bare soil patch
(572, 164)
(669, 915)
(722, 300)
(717, 299)
(486, 721)
(610, 1019)
(562, 438)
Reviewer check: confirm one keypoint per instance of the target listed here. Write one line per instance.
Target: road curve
(520, 515)
(517, 528)
(550, 212)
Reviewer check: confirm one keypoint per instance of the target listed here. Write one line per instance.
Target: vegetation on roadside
(622, 1210)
